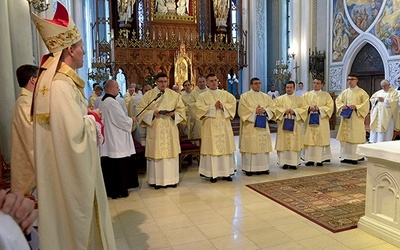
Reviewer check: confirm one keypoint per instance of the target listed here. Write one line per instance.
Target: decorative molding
(394, 73)
(335, 79)
(260, 22)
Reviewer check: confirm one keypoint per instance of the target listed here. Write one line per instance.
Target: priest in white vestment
(384, 113)
(352, 130)
(23, 177)
(195, 123)
(255, 142)
(161, 118)
(216, 108)
(290, 143)
(74, 212)
(119, 172)
(317, 137)
(185, 94)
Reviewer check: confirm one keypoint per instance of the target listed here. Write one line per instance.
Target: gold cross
(43, 90)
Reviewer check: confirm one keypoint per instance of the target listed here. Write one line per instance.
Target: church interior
(275, 40)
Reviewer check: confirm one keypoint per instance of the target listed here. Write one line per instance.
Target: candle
(154, 35)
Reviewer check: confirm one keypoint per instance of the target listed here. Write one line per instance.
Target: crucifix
(295, 66)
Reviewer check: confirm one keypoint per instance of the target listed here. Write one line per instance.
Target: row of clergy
(210, 111)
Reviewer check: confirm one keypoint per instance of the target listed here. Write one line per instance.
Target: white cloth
(300, 92)
(255, 162)
(217, 166)
(289, 157)
(11, 236)
(383, 136)
(121, 102)
(317, 153)
(273, 94)
(118, 142)
(349, 151)
(163, 172)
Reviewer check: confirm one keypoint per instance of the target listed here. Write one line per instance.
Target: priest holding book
(255, 108)
(160, 111)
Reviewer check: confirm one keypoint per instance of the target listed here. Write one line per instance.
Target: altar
(382, 207)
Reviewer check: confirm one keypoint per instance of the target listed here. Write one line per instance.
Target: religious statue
(183, 7)
(232, 83)
(125, 11)
(183, 66)
(171, 6)
(161, 7)
(121, 80)
(221, 8)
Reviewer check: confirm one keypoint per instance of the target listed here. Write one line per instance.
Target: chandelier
(39, 5)
(100, 71)
(281, 71)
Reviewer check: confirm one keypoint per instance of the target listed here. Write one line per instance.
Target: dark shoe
(174, 186)
(293, 167)
(346, 161)
(228, 178)
(327, 160)
(266, 172)
(285, 166)
(320, 164)
(309, 163)
(213, 180)
(361, 159)
(249, 173)
(157, 187)
(202, 175)
(354, 162)
(123, 195)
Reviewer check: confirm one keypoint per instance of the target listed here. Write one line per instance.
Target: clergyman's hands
(21, 209)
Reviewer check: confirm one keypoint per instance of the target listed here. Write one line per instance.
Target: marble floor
(227, 215)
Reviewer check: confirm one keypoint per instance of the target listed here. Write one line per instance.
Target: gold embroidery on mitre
(60, 40)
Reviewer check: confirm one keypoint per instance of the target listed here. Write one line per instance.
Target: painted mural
(354, 17)
(342, 32)
(387, 29)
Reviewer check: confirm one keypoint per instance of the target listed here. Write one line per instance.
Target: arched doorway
(369, 66)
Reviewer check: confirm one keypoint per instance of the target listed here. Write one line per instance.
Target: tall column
(306, 41)
(300, 40)
(7, 93)
(20, 35)
(257, 47)
(245, 72)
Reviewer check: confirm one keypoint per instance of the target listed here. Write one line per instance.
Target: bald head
(111, 87)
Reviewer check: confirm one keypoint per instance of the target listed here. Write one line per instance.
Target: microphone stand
(155, 99)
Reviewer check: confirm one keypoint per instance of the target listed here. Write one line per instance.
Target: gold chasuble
(162, 140)
(318, 135)
(290, 141)
(352, 130)
(216, 130)
(254, 140)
